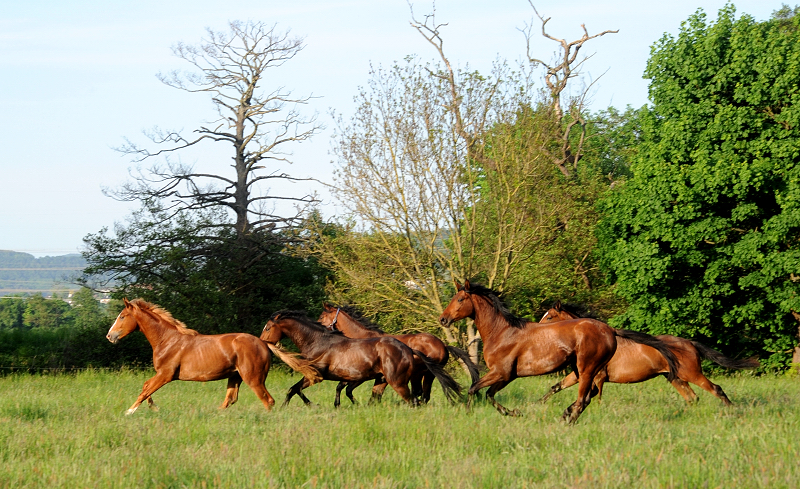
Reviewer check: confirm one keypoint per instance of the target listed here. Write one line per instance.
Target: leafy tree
(702, 241)
(44, 313)
(11, 311)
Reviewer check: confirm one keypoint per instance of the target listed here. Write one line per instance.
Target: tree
(447, 173)
(231, 67)
(209, 245)
(702, 241)
(567, 65)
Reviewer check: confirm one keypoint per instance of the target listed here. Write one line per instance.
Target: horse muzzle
(445, 321)
(113, 338)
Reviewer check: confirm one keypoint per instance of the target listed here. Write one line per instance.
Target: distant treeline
(25, 273)
(39, 334)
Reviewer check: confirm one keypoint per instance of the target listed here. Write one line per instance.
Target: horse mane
(499, 305)
(164, 315)
(360, 318)
(301, 317)
(578, 310)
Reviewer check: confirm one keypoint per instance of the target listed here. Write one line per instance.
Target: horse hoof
(516, 413)
(130, 411)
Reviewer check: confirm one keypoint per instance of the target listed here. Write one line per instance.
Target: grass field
(70, 431)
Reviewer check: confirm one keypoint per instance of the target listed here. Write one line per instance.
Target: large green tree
(703, 241)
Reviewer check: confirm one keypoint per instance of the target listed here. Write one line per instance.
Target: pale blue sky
(76, 77)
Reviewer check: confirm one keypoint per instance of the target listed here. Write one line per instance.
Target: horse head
(125, 323)
(329, 316)
(460, 306)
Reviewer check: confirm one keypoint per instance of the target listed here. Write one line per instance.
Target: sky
(78, 77)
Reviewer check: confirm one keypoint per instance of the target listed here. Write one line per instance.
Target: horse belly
(205, 363)
(530, 363)
(634, 364)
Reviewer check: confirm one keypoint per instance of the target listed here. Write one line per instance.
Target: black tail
(654, 342)
(720, 359)
(474, 373)
(451, 388)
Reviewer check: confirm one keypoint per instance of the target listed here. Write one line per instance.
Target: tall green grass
(70, 431)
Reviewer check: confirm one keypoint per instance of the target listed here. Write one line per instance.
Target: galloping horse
(353, 324)
(180, 353)
(634, 362)
(514, 347)
(340, 358)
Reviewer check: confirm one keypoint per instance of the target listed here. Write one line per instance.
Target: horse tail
(474, 373)
(296, 362)
(652, 341)
(451, 388)
(720, 359)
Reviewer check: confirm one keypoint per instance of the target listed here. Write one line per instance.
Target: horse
(353, 324)
(180, 353)
(515, 347)
(337, 357)
(634, 362)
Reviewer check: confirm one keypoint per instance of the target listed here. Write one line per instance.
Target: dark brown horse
(340, 358)
(180, 353)
(353, 324)
(514, 347)
(634, 362)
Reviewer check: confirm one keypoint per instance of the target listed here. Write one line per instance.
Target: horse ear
(557, 305)
(126, 302)
(326, 306)
(466, 285)
(458, 285)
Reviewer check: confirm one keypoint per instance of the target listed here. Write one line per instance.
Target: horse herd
(344, 346)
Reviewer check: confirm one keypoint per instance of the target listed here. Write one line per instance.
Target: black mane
(359, 316)
(578, 310)
(499, 305)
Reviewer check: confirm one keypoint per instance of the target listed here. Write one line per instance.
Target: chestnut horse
(634, 362)
(340, 358)
(180, 353)
(515, 347)
(353, 324)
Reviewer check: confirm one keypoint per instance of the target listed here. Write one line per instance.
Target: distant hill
(24, 273)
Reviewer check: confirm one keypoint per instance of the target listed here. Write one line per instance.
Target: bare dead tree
(231, 67)
(566, 66)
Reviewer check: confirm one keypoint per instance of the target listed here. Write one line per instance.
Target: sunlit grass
(70, 431)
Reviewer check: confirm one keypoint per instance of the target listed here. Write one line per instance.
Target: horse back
(210, 357)
(431, 346)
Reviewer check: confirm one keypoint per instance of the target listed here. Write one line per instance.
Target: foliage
(703, 239)
(205, 275)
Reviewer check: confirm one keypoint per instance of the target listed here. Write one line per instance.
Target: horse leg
(565, 383)
(585, 388)
(684, 390)
(349, 391)
(599, 380)
(150, 386)
(701, 381)
(256, 384)
(297, 389)
(151, 404)
(337, 400)
(377, 390)
(404, 392)
(232, 392)
(427, 385)
(491, 379)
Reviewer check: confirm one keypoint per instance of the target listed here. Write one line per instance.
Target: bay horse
(353, 324)
(515, 347)
(634, 362)
(180, 353)
(337, 357)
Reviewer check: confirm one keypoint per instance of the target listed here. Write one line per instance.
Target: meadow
(69, 430)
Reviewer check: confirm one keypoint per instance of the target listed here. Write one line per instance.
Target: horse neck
(353, 329)
(153, 329)
(489, 322)
(300, 334)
